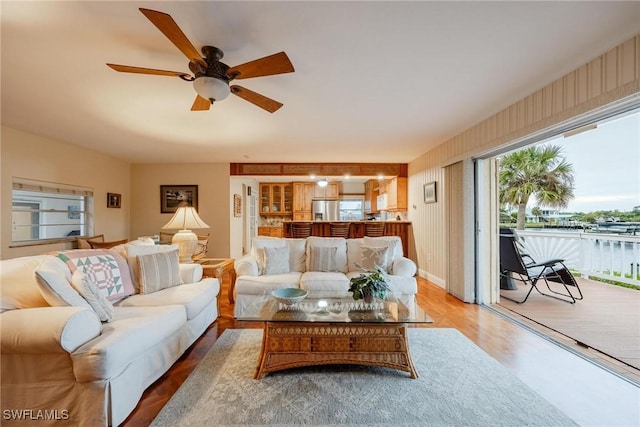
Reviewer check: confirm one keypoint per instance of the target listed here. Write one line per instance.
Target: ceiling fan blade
(255, 98)
(140, 70)
(277, 63)
(200, 104)
(170, 29)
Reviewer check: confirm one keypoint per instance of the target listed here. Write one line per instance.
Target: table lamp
(185, 218)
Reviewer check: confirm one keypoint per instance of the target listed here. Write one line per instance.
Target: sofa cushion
(397, 284)
(52, 277)
(131, 251)
(322, 259)
(194, 297)
(276, 260)
(105, 267)
(329, 242)
(133, 333)
(159, 271)
(93, 295)
(259, 285)
(324, 281)
(297, 254)
(19, 286)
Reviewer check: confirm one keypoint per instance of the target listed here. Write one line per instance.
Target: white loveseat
(61, 364)
(255, 278)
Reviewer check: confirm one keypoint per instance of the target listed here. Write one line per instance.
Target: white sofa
(62, 364)
(254, 282)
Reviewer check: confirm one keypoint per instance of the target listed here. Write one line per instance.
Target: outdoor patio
(606, 320)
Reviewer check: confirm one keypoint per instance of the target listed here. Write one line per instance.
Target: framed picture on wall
(237, 205)
(174, 196)
(114, 200)
(430, 192)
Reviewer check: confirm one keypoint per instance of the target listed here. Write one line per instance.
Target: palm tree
(536, 212)
(535, 171)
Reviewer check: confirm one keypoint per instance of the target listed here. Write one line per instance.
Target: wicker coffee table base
(288, 345)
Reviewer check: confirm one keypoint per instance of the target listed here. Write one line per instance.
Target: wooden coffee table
(334, 330)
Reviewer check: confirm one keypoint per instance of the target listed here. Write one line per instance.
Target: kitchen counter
(356, 229)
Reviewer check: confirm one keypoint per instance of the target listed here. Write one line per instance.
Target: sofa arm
(190, 273)
(404, 267)
(47, 329)
(247, 266)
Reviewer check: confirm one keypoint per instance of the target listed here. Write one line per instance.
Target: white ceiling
(374, 81)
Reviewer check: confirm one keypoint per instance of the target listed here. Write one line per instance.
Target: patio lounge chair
(514, 267)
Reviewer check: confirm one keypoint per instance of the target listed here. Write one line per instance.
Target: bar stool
(374, 229)
(300, 230)
(339, 229)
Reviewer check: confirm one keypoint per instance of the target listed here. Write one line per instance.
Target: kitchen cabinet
(276, 198)
(370, 196)
(330, 192)
(302, 197)
(270, 231)
(396, 190)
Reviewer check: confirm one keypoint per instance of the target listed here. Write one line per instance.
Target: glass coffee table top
(338, 308)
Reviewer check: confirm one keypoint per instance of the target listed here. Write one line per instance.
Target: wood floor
(606, 320)
(585, 392)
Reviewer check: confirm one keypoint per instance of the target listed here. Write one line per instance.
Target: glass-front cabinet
(276, 198)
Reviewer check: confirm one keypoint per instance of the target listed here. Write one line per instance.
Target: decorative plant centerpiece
(369, 285)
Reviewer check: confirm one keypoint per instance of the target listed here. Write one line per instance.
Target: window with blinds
(48, 211)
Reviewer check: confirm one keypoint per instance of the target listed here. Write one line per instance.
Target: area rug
(459, 385)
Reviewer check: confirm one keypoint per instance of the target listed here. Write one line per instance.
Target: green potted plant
(369, 285)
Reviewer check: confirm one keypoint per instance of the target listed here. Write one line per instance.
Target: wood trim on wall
(319, 169)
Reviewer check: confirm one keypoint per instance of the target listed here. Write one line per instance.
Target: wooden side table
(218, 267)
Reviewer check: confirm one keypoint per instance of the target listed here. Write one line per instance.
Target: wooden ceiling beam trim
(319, 169)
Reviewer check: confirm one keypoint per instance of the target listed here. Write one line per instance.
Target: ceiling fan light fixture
(211, 88)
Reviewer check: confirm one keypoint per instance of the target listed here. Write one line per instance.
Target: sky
(606, 163)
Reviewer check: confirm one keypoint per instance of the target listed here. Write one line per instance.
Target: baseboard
(432, 278)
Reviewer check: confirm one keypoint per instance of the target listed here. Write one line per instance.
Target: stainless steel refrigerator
(325, 210)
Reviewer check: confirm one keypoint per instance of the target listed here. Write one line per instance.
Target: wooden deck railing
(606, 256)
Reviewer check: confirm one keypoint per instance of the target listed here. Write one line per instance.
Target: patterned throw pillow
(55, 287)
(372, 257)
(323, 258)
(159, 271)
(105, 268)
(276, 260)
(94, 296)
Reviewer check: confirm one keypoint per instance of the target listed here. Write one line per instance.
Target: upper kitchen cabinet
(371, 191)
(396, 190)
(330, 192)
(276, 198)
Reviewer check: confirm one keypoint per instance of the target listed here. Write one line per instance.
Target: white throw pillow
(159, 271)
(55, 287)
(394, 243)
(331, 242)
(258, 246)
(372, 257)
(276, 260)
(93, 295)
(323, 258)
(134, 251)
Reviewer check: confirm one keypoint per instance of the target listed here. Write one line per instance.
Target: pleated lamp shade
(185, 218)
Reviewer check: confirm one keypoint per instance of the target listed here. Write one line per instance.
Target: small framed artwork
(174, 196)
(237, 205)
(114, 200)
(430, 195)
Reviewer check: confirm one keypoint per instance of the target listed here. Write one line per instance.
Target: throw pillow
(159, 271)
(134, 251)
(258, 246)
(372, 257)
(106, 245)
(105, 267)
(276, 260)
(94, 296)
(55, 288)
(323, 258)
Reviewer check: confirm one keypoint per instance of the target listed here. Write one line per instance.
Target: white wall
(30, 156)
(237, 224)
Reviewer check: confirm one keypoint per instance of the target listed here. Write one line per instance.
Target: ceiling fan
(211, 77)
